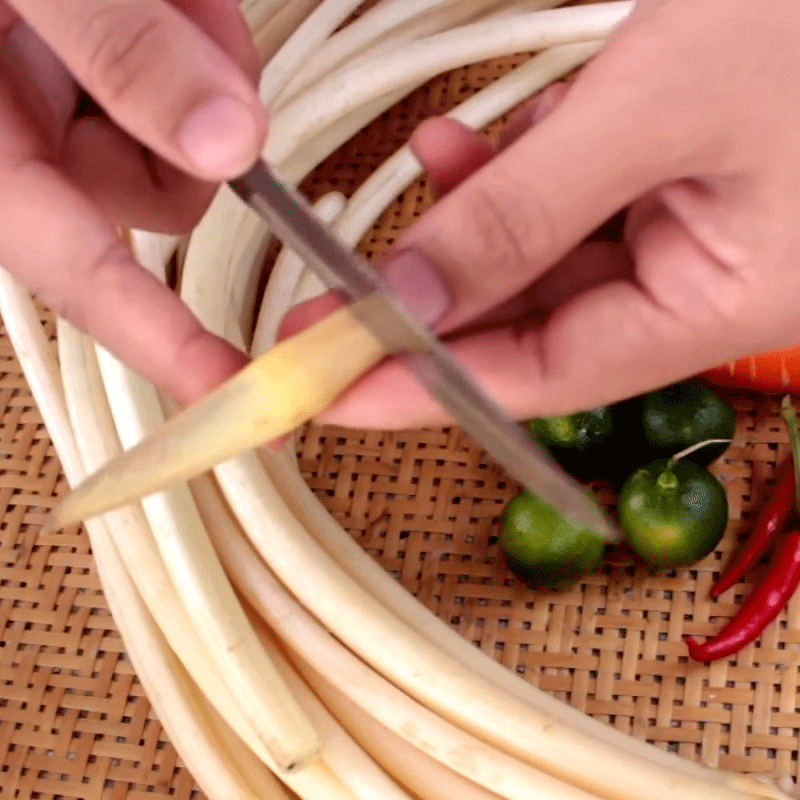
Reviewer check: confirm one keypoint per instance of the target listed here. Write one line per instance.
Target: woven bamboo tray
(75, 722)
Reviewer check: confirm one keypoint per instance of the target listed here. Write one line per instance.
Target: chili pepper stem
(790, 418)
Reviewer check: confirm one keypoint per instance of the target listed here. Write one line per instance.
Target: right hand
(686, 121)
(177, 84)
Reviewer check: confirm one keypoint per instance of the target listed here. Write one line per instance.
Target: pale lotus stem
(396, 711)
(313, 516)
(272, 22)
(285, 276)
(299, 47)
(210, 601)
(229, 233)
(350, 87)
(143, 561)
(271, 710)
(314, 149)
(386, 24)
(412, 767)
(174, 698)
(268, 398)
(487, 766)
(424, 671)
(97, 440)
(171, 694)
(179, 707)
(412, 30)
(346, 758)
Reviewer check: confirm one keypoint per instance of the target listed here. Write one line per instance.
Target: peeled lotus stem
(268, 398)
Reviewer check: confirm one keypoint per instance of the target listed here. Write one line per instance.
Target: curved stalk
(352, 87)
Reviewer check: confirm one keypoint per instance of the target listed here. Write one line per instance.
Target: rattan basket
(75, 721)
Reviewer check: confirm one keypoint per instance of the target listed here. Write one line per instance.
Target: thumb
(520, 213)
(158, 76)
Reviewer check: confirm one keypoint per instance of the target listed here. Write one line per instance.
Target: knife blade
(292, 219)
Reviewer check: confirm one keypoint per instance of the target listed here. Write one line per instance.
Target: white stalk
(273, 21)
(383, 26)
(180, 708)
(300, 46)
(270, 709)
(97, 441)
(418, 667)
(282, 468)
(204, 589)
(172, 695)
(130, 532)
(314, 149)
(350, 87)
(489, 767)
(347, 759)
(427, 778)
(285, 276)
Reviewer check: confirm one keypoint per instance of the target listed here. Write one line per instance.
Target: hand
(176, 82)
(687, 121)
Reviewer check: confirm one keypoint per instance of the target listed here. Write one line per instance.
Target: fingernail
(418, 283)
(220, 137)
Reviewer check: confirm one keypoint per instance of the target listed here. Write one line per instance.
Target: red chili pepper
(773, 517)
(761, 606)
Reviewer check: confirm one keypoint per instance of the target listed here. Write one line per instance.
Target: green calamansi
(542, 547)
(684, 414)
(673, 512)
(577, 441)
(603, 442)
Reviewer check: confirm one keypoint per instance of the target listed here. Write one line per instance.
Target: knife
(388, 328)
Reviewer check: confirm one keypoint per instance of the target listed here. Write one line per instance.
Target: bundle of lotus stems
(280, 658)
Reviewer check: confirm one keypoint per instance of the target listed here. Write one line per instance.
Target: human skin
(686, 121)
(70, 180)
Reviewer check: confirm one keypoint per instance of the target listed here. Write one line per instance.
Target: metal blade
(292, 219)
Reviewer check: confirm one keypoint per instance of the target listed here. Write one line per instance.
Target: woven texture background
(73, 719)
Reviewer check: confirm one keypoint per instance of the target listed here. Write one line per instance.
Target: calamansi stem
(698, 446)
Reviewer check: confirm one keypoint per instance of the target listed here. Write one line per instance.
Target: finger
(133, 187)
(62, 248)
(81, 270)
(615, 340)
(160, 78)
(520, 213)
(587, 266)
(449, 151)
(30, 68)
(8, 17)
(224, 22)
(531, 112)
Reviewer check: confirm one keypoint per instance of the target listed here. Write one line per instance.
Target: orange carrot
(774, 371)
